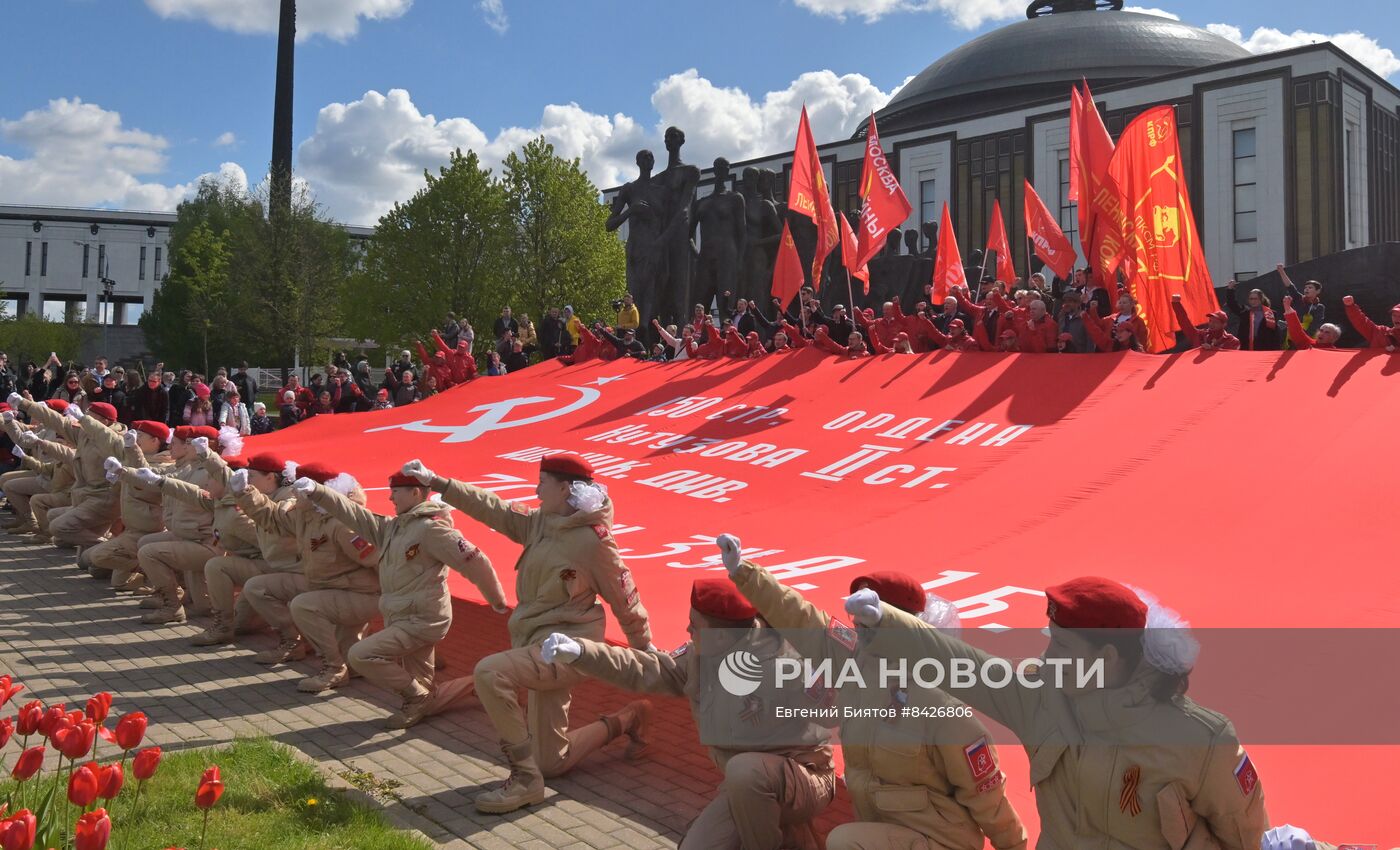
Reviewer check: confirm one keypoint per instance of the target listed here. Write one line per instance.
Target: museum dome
(1061, 42)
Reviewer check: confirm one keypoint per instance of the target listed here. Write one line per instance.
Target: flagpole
(981, 273)
(850, 293)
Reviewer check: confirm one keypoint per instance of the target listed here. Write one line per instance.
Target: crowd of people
(187, 522)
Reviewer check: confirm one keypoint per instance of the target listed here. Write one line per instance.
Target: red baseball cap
(718, 598)
(1092, 602)
(898, 589)
(567, 465)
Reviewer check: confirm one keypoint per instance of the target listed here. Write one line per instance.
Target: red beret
(267, 462)
(1090, 602)
(159, 430)
(719, 598)
(318, 472)
(103, 409)
(898, 589)
(4, 407)
(238, 462)
(190, 432)
(398, 479)
(567, 465)
(57, 404)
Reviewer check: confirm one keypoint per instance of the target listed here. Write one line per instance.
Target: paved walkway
(66, 636)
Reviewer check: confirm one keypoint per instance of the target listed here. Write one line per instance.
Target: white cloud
(1161, 13)
(338, 19)
(1362, 47)
(81, 155)
(365, 155)
(968, 14)
(495, 14)
(226, 140)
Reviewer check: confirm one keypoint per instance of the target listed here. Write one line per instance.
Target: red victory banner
(947, 266)
(787, 269)
(997, 241)
(809, 196)
(1052, 246)
(849, 251)
(828, 469)
(884, 205)
(1102, 222)
(1167, 258)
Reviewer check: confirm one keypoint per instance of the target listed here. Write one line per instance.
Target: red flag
(787, 270)
(849, 252)
(997, 241)
(808, 195)
(947, 267)
(1165, 250)
(1051, 244)
(884, 205)
(1101, 218)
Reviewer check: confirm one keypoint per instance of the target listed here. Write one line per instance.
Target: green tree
(560, 251)
(204, 270)
(32, 337)
(438, 252)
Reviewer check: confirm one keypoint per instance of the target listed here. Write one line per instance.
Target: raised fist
(1287, 302)
(238, 481)
(1176, 298)
(73, 412)
(18, 452)
(560, 648)
(1287, 837)
(864, 607)
(729, 550)
(304, 486)
(14, 400)
(1230, 285)
(129, 439)
(111, 464)
(148, 476)
(201, 446)
(1348, 300)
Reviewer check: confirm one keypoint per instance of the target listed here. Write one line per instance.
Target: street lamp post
(107, 286)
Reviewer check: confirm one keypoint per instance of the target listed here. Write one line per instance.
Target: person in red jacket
(890, 323)
(1327, 333)
(1037, 331)
(590, 347)
(436, 365)
(794, 335)
(957, 338)
(1213, 338)
(734, 345)
(1376, 336)
(713, 346)
(755, 343)
(1110, 336)
(459, 359)
(854, 347)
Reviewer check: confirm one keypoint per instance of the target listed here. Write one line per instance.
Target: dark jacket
(151, 405)
(247, 389)
(1265, 338)
(516, 361)
(624, 349)
(289, 416)
(262, 424)
(552, 334)
(503, 324)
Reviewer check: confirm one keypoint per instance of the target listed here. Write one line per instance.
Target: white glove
(304, 486)
(7, 415)
(112, 476)
(148, 476)
(129, 439)
(14, 400)
(416, 468)
(729, 549)
(201, 447)
(238, 481)
(864, 607)
(1286, 837)
(17, 452)
(73, 412)
(29, 438)
(111, 464)
(560, 648)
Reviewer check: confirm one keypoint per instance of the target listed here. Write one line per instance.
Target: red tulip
(131, 728)
(110, 780)
(211, 788)
(17, 831)
(53, 718)
(82, 787)
(7, 731)
(27, 723)
(92, 831)
(144, 766)
(98, 707)
(7, 690)
(29, 763)
(75, 741)
(74, 717)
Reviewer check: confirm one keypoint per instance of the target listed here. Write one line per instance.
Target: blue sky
(173, 89)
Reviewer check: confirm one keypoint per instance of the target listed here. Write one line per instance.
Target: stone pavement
(66, 637)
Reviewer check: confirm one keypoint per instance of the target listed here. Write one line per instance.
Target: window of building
(1068, 213)
(43, 259)
(847, 177)
(101, 260)
(28, 258)
(10, 308)
(1356, 228)
(129, 313)
(1246, 186)
(85, 261)
(1241, 277)
(157, 268)
(141, 274)
(58, 309)
(928, 207)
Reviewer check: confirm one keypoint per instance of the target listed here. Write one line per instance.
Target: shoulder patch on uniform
(628, 587)
(519, 508)
(979, 758)
(680, 650)
(1246, 776)
(988, 784)
(468, 550)
(841, 633)
(601, 531)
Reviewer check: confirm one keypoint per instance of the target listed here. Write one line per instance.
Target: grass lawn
(271, 801)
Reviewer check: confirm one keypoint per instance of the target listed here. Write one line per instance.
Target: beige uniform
(416, 549)
(61, 482)
(774, 786)
(94, 506)
(335, 595)
(567, 563)
(243, 544)
(141, 514)
(38, 479)
(1113, 769)
(915, 783)
(179, 552)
